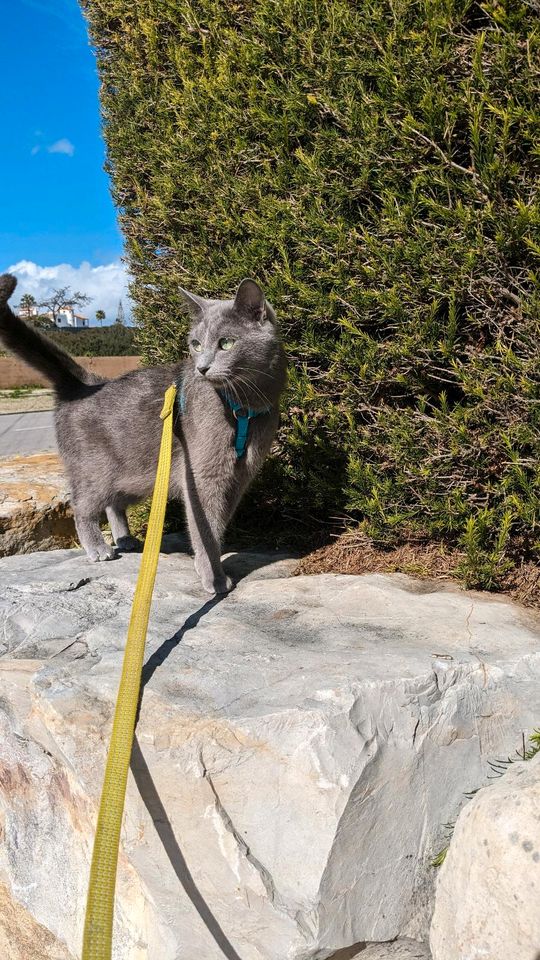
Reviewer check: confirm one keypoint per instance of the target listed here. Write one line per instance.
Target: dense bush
(112, 341)
(374, 164)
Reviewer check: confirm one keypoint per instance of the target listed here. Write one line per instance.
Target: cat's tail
(34, 348)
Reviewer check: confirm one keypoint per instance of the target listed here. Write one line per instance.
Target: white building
(66, 318)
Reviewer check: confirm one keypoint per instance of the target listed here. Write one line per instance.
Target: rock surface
(398, 950)
(489, 887)
(301, 744)
(34, 505)
(21, 938)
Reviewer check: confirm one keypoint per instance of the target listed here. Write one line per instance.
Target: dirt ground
(22, 400)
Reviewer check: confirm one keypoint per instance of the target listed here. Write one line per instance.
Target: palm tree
(27, 304)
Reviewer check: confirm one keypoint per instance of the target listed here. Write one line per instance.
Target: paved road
(23, 433)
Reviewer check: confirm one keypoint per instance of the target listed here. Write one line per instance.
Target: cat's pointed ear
(194, 303)
(250, 300)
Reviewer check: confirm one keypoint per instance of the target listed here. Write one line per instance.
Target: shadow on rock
(152, 801)
(153, 804)
(239, 563)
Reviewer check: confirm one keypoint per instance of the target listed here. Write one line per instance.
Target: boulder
(489, 887)
(34, 505)
(301, 744)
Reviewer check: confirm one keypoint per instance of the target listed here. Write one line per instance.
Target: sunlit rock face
(489, 888)
(301, 745)
(35, 513)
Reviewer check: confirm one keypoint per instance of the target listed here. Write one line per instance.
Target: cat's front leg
(207, 514)
(207, 550)
(214, 580)
(91, 537)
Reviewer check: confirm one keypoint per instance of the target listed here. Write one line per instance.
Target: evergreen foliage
(374, 165)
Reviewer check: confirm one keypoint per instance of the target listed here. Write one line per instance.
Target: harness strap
(242, 415)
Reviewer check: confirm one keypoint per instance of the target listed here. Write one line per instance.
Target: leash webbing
(97, 941)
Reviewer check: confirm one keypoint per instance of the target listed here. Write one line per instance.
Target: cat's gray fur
(109, 430)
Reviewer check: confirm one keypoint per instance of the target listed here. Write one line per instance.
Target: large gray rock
(301, 744)
(489, 888)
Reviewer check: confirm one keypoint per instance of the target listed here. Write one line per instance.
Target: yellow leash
(97, 942)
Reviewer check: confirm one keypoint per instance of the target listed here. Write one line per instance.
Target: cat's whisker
(255, 370)
(251, 385)
(260, 397)
(241, 399)
(241, 385)
(229, 385)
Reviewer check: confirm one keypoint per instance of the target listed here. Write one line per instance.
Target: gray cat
(109, 431)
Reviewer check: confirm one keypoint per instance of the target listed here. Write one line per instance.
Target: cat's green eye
(226, 343)
(197, 345)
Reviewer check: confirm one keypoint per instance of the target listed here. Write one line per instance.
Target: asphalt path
(24, 433)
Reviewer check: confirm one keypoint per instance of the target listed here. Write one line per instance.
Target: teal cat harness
(241, 414)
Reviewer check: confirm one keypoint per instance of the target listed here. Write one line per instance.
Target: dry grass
(26, 400)
(355, 554)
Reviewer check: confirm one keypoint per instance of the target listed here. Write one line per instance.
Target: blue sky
(57, 216)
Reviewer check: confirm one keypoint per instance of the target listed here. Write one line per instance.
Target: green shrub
(373, 164)
(113, 341)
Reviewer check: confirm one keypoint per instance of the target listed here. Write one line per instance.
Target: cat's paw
(211, 582)
(103, 551)
(128, 544)
(217, 585)
(224, 585)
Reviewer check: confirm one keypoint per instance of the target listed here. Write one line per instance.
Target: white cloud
(62, 146)
(106, 284)
(35, 149)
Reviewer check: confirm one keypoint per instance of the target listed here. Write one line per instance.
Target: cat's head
(233, 343)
